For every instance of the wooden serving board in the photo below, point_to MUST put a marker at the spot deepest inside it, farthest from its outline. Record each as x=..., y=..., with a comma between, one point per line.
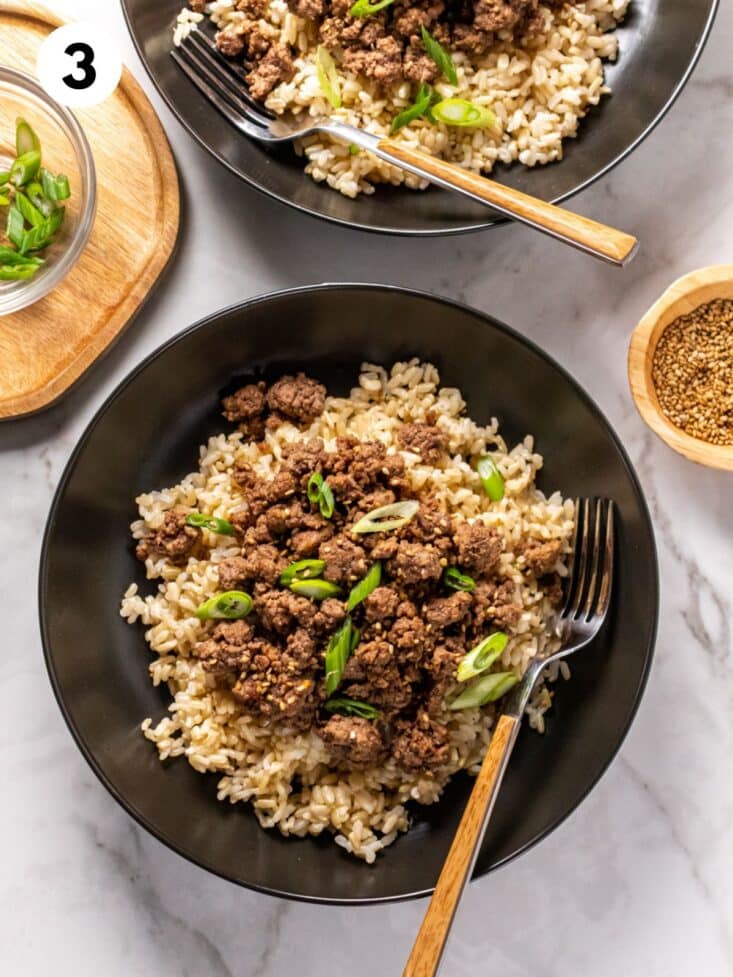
x=44, y=349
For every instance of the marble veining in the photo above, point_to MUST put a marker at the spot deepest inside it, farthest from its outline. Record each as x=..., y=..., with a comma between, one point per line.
x=638, y=881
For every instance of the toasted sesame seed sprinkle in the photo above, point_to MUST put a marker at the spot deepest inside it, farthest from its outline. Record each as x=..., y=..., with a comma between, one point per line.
x=692, y=372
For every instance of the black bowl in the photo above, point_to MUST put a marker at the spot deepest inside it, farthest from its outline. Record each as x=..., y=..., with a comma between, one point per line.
x=660, y=43
x=147, y=435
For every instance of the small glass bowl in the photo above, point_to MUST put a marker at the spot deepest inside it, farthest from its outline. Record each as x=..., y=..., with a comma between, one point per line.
x=65, y=150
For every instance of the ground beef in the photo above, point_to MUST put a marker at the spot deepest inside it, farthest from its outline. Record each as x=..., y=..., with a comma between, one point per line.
x=372, y=674
x=381, y=604
x=425, y=440
x=414, y=563
x=230, y=42
x=276, y=66
x=541, y=557
x=298, y=398
x=552, y=587
x=345, y=561
x=410, y=636
x=175, y=539
x=264, y=563
x=494, y=603
x=479, y=548
x=280, y=611
x=224, y=651
x=302, y=458
x=422, y=744
x=441, y=667
x=245, y=404
x=353, y=740
x=443, y=612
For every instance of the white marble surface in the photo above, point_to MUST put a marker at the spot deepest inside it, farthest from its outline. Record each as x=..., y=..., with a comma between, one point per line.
x=638, y=880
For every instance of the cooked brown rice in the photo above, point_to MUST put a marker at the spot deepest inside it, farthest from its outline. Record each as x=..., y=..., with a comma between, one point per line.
x=364, y=809
x=538, y=89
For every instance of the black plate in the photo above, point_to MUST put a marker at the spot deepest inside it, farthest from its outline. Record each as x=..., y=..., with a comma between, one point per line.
x=660, y=41
x=147, y=435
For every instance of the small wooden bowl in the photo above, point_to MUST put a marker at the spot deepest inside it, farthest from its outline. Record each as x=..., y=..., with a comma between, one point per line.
x=684, y=295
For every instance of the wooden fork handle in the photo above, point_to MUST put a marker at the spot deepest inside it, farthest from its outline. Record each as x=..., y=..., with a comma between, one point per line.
x=430, y=943
x=605, y=242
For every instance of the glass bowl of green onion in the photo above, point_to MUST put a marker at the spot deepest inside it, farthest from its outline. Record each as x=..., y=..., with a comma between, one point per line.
x=48, y=191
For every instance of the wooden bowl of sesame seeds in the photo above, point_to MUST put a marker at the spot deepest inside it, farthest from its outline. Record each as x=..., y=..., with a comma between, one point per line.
x=681, y=366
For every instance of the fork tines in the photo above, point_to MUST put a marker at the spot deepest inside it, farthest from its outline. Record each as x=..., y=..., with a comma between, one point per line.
x=219, y=81
x=591, y=573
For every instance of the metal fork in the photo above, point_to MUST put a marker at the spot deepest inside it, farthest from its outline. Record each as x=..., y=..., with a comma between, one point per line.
x=587, y=597
x=223, y=85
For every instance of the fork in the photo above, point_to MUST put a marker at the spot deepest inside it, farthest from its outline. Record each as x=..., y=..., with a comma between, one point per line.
x=586, y=599
x=222, y=84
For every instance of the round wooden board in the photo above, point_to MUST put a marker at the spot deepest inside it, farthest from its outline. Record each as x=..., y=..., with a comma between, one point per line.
x=45, y=348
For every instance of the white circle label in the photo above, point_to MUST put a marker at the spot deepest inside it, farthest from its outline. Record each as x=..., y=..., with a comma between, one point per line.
x=78, y=65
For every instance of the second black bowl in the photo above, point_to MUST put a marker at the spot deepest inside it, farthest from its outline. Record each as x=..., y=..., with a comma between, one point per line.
x=147, y=435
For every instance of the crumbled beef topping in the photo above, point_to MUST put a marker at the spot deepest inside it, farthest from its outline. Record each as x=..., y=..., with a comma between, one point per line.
x=541, y=558
x=425, y=440
x=175, y=539
x=385, y=47
x=412, y=629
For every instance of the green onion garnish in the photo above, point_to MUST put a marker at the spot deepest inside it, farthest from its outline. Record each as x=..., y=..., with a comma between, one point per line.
x=4, y=177
x=10, y=257
x=460, y=112
x=337, y=654
x=439, y=55
x=387, y=517
x=16, y=227
x=30, y=212
x=365, y=8
x=362, y=590
x=302, y=570
x=231, y=604
x=328, y=77
x=26, y=140
x=55, y=187
x=25, y=168
x=484, y=690
x=482, y=656
x=491, y=478
x=39, y=237
x=453, y=578
x=317, y=589
x=415, y=111
x=18, y=272
x=216, y=525
x=350, y=707
x=320, y=493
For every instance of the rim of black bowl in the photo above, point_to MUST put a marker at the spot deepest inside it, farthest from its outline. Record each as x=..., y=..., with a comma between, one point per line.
x=68, y=470
x=416, y=232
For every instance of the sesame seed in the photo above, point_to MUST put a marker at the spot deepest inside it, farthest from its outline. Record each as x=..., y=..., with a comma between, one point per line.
x=692, y=372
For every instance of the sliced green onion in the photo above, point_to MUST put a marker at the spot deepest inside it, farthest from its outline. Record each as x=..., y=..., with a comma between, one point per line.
x=460, y=112
x=30, y=213
x=315, y=484
x=320, y=493
x=4, y=177
x=328, y=77
x=491, y=478
x=326, y=501
x=439, y=55
x=41, y=236
x=355, y=638
x=415, y=111
x=4, y=201
x=353, y=149
x=26, y=140
x=350, y=707
x=63, y=189
x=216, y=525
x=484, y=690
x=453, y=578
x=37, y=197
x=362, y=590
x=232, y=604
x=25, y=168
x=55, y=187
x=302, y=570
x=387, y=517
x=337, y=654
x=365, y=8
x=482, y=656
x=10, y=257
x=317, y=589
x=16, y=227
x=17, y=272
